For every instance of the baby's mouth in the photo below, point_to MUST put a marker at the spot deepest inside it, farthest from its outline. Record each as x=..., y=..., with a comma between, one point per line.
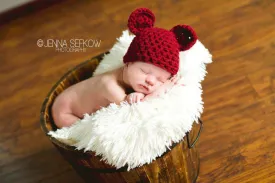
x=145, y=87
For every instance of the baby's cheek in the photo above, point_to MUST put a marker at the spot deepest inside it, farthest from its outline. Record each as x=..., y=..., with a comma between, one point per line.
x=135, y=86
x=154, y=89
x=131, y=82
x=158, y=85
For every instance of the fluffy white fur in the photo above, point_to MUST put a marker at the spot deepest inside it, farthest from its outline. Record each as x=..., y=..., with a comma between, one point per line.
x=136, y=134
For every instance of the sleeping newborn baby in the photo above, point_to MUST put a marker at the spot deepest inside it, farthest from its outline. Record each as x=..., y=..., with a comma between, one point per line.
x=99, y=91
x=150, y=68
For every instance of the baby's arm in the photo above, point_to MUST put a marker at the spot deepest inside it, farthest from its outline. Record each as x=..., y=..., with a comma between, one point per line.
x=116, y=94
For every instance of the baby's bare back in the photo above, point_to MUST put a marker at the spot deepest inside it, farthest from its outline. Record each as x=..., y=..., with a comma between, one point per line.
x=87, y=96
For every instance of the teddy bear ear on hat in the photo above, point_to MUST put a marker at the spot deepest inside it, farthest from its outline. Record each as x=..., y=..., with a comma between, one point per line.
x=140, y=19
x=185, y=36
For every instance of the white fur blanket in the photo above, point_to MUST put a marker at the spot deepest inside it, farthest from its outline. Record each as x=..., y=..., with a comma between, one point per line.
x=137, y=134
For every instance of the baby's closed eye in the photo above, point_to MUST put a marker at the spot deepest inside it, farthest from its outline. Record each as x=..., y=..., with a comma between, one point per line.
x=161, y=80
x=144, y=71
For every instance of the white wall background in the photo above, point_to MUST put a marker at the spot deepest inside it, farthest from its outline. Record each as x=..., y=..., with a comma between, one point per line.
x=9, y=4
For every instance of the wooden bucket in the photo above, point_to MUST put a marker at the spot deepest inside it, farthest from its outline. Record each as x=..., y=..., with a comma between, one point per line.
x=178, y=165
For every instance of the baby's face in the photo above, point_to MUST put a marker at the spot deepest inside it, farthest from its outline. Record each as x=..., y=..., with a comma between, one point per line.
x=145, y=78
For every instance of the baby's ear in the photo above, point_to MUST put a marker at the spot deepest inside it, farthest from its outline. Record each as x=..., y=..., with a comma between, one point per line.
x=185, y=36
x=140, y=19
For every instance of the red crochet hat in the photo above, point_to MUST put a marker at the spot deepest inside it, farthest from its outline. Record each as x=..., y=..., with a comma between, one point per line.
x=157, y=46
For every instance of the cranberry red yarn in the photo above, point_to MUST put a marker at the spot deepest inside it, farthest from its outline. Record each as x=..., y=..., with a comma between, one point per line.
x=140, y=19
x=155, y=45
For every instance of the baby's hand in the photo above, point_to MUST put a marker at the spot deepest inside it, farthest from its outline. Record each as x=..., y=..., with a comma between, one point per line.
x=134, y=97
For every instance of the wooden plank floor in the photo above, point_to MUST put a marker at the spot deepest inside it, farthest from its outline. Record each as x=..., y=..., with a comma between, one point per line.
x=238, y=142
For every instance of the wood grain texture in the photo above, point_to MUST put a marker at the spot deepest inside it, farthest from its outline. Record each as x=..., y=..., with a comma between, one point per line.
x=237, y=143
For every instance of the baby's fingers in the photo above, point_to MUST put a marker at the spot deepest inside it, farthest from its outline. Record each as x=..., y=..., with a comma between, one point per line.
x=131, y=98
x=152, y=95
x=136, y=97
x=139, y=98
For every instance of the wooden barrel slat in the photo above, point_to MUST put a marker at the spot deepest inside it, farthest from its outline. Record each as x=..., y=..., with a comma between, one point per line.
x=164, y=173
x=173, y=174
x=153, y=171
x=178, y=165
x=131, y=177
x=183, y=166
x=193, y=153
x=188, y=159
x=143, y=175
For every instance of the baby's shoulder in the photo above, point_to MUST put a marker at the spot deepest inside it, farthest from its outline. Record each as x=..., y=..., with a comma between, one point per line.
x=106, y=81
x=109, y=88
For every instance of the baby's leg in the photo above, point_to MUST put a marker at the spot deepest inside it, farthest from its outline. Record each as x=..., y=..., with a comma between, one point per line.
x=62, y=113
x=65, y=120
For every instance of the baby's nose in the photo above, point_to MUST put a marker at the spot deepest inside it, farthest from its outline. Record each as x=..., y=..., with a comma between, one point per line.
x=150, y=83
x=150, y=80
